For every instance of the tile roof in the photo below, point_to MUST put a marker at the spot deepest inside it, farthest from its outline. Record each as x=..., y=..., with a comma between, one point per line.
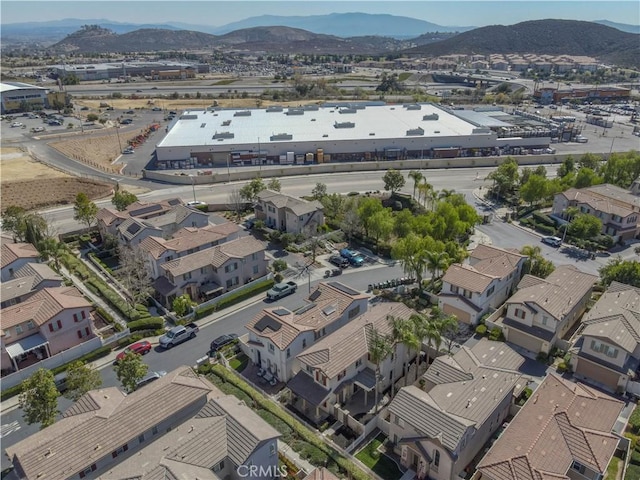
x=137, y=209
x=17, y=287
x=189, y=238
x=616, y=317
x=495, y=261
x=223, y=429
x=325, y=305
x=298, y=206
x=572, y=421
x=337, y=351
x=216, y=256
x=467, y=389
x=10, y=252
x=467, y=277
x=321, y=473
x=132, y=227
x=41, y=272
x=558, y=293
x=103, y=424
x=605, y=198
x=43, y=306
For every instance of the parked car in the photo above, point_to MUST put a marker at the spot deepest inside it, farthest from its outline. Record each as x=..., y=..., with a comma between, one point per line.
x=140, y=348
x=553, y=241
x=280, y=290
x=84, y=108
x=156, y=109
x=129, y=112
x=16, y=124
x=126, y=121
x=195, y=203
x=177, y=335
x=339, y=261
x=150, y=377
x=249, y=223
x=355, y=259
x=221, y=341
x=128, y=150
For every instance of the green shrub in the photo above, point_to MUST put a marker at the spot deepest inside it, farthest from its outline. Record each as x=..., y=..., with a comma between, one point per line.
x=235, y=298
x=634, y=420
x=278, y=424
x=496, y=334
x=562, y=367
x=151, y=323
x=11, y=392
x=105, y=315
x=633, y=472
x=541, y=218
x=542, y=357
x=481, y=330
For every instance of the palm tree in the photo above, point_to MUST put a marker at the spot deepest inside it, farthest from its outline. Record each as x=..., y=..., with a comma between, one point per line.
x=417, y=177
x=419, y=322
x=436, y=262
x=445, y=194
x=532, y=253
x=380, y=347
x=402, y=332
x=433, y=335
x=423, y=191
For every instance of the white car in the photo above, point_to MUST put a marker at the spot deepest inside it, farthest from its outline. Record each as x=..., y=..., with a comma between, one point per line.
x=553, y=241
x=195, y=203
x=16, y=124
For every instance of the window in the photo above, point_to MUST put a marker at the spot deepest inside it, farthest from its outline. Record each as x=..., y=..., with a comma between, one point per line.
x=255, y=269
x=203, y=270
x=231, y=268
x=358, y=362
x=466, y=293
x=7, y=333
x=577, y=467
x=232, y=281
x=55, y=326
x=76, y=317
x=30, y=325
x=219, y=466
x=272, y=349
x=354, y=312
x=545, y=319
x=84, y=333
x=453, y=288
x=19, y=329
x=309, y=369
x=254, y=256
x=120, y=451
x=604, y=349
x=169, y=258
x=288, y=353
x=154, y=430
x=519, y=313
x=88, y=470
x=141, y=438
x=304, y=343
x=342, y=374
x=491, y=290
x=272, y=450
x=186, y=276
x=436, y=460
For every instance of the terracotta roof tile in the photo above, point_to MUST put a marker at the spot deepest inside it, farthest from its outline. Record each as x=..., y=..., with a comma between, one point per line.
x=298, y=206
x=10, y=252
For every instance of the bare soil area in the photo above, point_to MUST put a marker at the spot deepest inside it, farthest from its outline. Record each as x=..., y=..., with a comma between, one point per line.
x=31, y=185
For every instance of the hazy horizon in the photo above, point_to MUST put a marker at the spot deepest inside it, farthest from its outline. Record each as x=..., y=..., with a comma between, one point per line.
x=218, y=13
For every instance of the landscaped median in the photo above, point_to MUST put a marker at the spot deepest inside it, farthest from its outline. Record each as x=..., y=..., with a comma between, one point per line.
x=308, y=445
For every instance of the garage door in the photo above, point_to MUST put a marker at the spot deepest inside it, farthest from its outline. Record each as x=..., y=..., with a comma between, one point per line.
x=461, y=314
x=523, y=340
x=597, y=373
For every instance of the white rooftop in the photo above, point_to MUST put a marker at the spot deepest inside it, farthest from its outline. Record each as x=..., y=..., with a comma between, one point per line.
x=315, y=123
x=9, y=86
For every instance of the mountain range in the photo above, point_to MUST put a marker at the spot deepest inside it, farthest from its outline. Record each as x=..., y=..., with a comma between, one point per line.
x=337, y=24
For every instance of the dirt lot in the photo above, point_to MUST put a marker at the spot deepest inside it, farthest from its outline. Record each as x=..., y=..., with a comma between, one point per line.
x=181, y=104
x=30, y=184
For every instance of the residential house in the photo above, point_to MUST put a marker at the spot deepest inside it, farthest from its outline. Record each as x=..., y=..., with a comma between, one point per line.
x=132, y=232
x=50, y=321
x=564, y=431
x=321, y=473
x=28, y=280
x=544, y=310
x=211, y=271
x=14, y=256
x=185, y=241
x=482, y=285
x=337, y=369
x=289, y=214
x=618, y=209
x=179, y=426
x=108, y=219
x=439, y=430
x=277, y=335
x=607, y=350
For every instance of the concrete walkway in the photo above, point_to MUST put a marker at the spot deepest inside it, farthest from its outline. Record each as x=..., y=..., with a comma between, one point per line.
x=293, y=456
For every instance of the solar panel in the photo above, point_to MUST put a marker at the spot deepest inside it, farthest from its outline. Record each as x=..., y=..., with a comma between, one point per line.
x=174, y=201
x=315, y=295
x=267, y=322
x=343, y=288
x=281, y=312
x=306, y=308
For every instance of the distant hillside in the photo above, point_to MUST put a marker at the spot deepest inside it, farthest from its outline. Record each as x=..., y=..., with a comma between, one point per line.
x=620, y=26
x=544, y=36
x=259, y=39
x=345, y=25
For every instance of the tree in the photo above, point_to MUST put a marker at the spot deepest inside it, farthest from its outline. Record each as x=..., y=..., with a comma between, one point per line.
x=367, y=207
x=122, y=199
x=39, y=398
x=134, y=275
x=534, y=190
x=393, y=180
x=334, y=206
x=92, y=117
x=13, y=221
x=182, y=304
x=130, y=370
x=251, y=190
x=402, y=332
x=505, y=178
x=36, y=229
x=585, y=226
x=351, y=224
x=279, y=265
x=536, y=264
x=381, y=225
x=567, y=167
x=274, y=184
x=449, y=327
x=436, y=263
x=586, y=178
x=236, y=202
x=84, y=210
x=51, y=249
x=417, y=178
x=319, y=191
x=81, y=378
x=411, y=251
x=380, y=347
x=623, y=271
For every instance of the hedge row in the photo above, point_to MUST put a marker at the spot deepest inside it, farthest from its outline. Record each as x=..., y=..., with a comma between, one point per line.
x=235, y=298
x=151, y=323
x=541, y=218
x=316, y=445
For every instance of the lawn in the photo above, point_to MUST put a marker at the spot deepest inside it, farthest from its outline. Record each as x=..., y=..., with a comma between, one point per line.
x=378, y=461
x=239, y=362
x=612, y=469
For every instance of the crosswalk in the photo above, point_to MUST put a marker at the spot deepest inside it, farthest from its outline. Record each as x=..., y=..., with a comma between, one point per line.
x=8, y=428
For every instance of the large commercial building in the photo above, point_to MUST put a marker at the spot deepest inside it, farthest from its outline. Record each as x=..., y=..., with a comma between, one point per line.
x=105, y=71
x=341, y=132
x=18, y=96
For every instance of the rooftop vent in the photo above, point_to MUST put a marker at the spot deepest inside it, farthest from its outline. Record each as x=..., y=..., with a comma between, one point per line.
x=275, y=108
x=344, y=125
x=281, y=136
x=295, y=111
x=432, y=116
x=226, y=123
x=223, y=135
x=413, y=106
x=242, y=113
x=413, y=132
x=347, y=110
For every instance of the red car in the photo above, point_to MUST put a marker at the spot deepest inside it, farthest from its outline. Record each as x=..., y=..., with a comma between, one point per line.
x=141, y=348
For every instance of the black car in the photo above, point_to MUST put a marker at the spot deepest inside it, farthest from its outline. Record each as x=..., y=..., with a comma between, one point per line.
x=339, y=261
x=221, y=341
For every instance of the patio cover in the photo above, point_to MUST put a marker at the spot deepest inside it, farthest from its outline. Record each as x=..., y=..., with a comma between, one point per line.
x=304, y=387
x=366, y=379
x=26, y=345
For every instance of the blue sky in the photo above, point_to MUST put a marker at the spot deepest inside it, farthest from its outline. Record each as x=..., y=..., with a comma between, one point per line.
x=216, y=13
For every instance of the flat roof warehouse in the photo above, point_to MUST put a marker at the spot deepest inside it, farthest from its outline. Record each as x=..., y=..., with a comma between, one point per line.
x=343, y=131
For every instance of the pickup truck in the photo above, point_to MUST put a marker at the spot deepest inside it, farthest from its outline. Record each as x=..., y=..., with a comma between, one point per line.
x=280, y=290
x=178, y=334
